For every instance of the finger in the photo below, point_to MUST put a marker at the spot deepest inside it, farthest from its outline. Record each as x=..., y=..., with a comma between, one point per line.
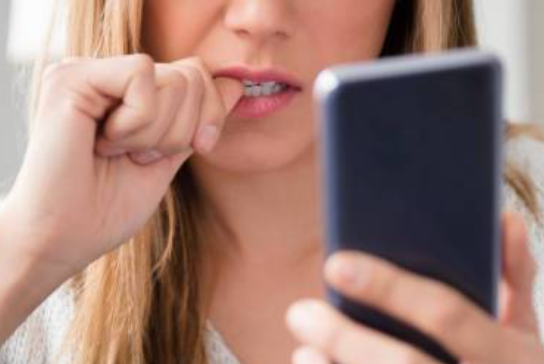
x=320, y=326
x=143, y=141
x=180, y=134
x=430, y=306
x=132, y=80
x=219, y=97
x=142, y=144
x=230, y=92
x=519, y=274
x=92, y=88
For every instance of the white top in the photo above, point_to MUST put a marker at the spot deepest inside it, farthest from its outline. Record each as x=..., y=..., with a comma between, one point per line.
x=40, y=336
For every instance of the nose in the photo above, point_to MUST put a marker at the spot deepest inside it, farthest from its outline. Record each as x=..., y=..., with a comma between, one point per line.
x=260, y=20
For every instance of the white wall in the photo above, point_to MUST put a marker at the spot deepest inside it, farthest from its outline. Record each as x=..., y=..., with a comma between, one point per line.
x=513, y=28
x=536, y=61
x=12, y=134
x=26, y=41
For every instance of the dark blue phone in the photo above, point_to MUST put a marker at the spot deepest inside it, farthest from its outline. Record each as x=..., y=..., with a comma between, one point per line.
x=411, y=166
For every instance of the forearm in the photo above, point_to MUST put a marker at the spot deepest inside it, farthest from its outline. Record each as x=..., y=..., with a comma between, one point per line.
x=24, y=281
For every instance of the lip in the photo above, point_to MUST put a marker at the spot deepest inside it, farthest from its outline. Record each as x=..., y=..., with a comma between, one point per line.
x=260, y=107
x=263, y=75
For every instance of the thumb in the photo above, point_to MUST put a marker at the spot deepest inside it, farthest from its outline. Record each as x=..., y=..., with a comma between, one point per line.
x=519, y=274
x=230, y=91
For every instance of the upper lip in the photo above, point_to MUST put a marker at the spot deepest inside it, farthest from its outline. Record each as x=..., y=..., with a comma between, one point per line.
x=258, y=76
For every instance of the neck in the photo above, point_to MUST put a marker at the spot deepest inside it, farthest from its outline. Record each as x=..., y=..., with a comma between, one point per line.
x=270, y=216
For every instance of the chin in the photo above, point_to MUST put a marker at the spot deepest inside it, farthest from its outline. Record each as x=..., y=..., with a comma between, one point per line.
x=257, y=152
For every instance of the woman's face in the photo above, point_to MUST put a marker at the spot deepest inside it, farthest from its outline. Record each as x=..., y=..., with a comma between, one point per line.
x=300, y=37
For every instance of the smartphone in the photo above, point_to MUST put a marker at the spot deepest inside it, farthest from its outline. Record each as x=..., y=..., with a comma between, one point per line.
x=411, y=170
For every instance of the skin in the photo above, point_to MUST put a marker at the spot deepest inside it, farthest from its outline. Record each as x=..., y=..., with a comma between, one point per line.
x=260, y=271
x=264, y=167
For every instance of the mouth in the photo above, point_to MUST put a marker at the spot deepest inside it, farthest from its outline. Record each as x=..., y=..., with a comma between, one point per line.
x=265, y=91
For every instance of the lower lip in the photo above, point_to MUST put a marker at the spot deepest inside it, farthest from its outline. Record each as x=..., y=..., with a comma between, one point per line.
x=258, y=107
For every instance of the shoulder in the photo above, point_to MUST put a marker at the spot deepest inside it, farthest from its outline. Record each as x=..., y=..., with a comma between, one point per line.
x=39, y=338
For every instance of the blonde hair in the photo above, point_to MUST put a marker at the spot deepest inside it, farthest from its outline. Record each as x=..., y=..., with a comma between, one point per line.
x=141, y=303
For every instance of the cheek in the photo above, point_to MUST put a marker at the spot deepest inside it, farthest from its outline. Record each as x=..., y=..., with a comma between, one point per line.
x=351, y=30
x=173, y=29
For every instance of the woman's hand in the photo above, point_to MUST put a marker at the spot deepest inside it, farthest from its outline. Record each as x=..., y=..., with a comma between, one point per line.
x=109, y=137
x=434, y=308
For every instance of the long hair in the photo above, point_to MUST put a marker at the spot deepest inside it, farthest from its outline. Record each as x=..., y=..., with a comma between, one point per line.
x=141, y=303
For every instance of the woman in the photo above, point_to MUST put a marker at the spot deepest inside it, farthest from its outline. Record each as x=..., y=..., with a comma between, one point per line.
x=187, y=214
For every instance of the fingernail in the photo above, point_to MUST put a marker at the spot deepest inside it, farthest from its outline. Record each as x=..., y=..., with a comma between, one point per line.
x=147, y=157
x=302, y=317
x=207, y=137
x=307, y=355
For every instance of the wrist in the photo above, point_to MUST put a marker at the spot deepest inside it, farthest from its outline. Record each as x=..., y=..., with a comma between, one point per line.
x=26, y=281
x=23, y=249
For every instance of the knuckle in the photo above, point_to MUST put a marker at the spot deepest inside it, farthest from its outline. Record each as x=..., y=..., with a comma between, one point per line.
x=194, y=78
x=197, y=62
x=56, y=73
x=444, y=313
x=143, y=116
x=178, y=83
x=142, y=63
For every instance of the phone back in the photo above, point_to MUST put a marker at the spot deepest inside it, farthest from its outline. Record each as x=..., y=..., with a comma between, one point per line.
x=411, y=151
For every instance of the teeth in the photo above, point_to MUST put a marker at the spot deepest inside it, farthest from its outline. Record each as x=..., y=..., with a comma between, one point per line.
x=268, y=88
x=253, y=89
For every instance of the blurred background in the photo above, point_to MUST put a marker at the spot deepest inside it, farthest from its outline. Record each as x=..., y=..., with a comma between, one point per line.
x=509, y=27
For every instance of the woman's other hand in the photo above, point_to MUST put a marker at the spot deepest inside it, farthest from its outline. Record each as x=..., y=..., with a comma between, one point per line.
x=441, y=312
